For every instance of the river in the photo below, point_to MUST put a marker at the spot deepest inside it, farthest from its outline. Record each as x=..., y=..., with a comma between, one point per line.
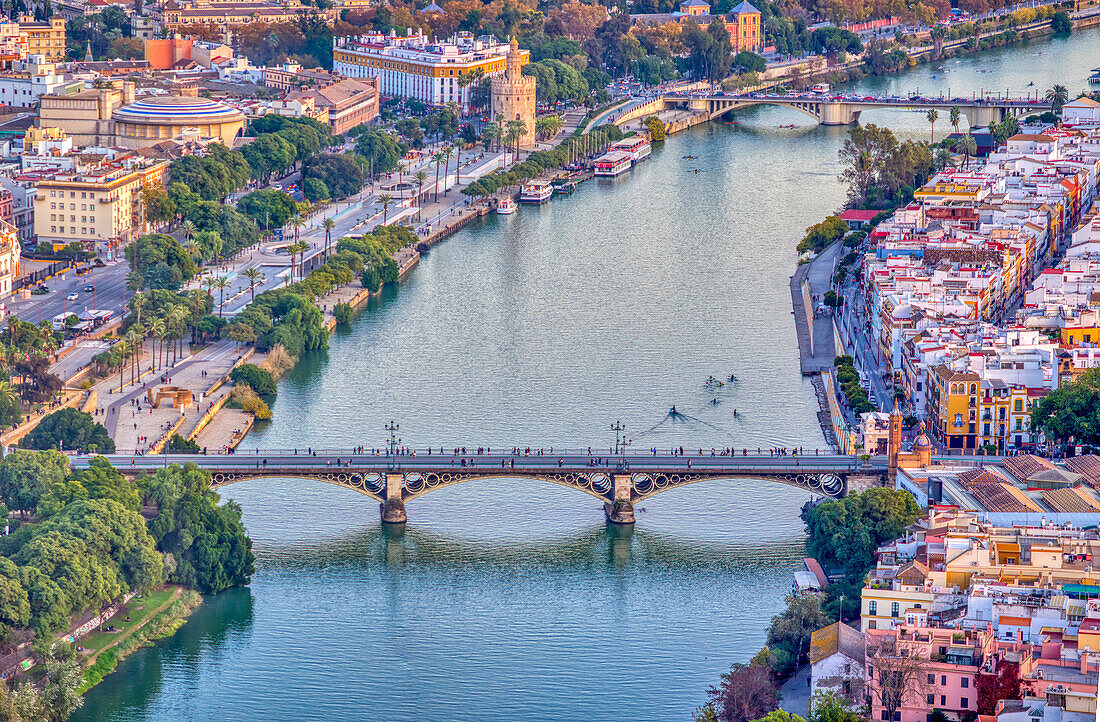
x=511, y=600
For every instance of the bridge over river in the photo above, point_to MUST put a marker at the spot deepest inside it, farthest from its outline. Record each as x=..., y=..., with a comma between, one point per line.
x=619, y=480
x=845, y=110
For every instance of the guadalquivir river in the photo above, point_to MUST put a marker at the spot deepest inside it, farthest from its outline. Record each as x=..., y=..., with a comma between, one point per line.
x=511, y=600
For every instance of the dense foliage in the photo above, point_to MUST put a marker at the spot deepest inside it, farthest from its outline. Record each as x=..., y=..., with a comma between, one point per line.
x=159, y=261
x=207, y=542
x=820, y=235
x=70, y=430
x=844, y=533
x=1072, y=411
x=342, y=174
x=261, y=380
x=878, y=169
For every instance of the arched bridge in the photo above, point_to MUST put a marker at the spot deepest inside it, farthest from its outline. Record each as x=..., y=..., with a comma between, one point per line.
x=844, y=110
x=620, y=481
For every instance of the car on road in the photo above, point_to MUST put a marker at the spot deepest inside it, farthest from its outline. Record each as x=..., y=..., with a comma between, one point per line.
x=89, y=288
x=72, y=297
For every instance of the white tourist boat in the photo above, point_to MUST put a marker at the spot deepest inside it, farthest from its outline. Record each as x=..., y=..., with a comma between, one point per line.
x=506, y=207
x=637, y=146
x=613, y=163
x=536, y=191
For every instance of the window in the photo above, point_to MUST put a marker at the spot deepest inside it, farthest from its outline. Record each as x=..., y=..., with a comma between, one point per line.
x=931, y=680
x=894, y=609
x=1018, y=405
x=965, y=683
x=964, y=702
x=931, y=700
x=943, y=677
x=872, y=608
x=943, y=700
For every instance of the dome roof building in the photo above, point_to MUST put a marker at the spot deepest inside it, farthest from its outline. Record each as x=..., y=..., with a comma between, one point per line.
x=151, y=120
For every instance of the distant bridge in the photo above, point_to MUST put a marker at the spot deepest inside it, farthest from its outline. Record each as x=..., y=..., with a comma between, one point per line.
x=620, y=481
x=846, y=110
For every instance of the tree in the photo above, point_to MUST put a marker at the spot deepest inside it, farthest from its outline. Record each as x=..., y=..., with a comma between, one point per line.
x=939, y=32
x=437, y=160
x=955, y=116
x=548, y=126
x=895, y=673
x=745, y=693
x=315, y=190
x=830, y=707
x=1060, y=23
x=1057, y=96
x=1002, y=682
x=255, y=275
x=103, y=481
x=60, y=692
x=420, y=176
x=328, y=224
x=932, y=116
x=26, y=475
x=207, y=540
x=790, y=630
x=221, y=283
x=268, y=207
x=380, y=149
x=261, y=380
x=1072, y=411
x=516, y=129
x=386, y=200
x=11, y=410
x=71, y=430
x=749, y=62
x=341, y=174
x=845, y=532
x=969, y=147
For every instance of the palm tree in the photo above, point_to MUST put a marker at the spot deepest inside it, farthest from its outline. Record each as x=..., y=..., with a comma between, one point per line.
x=516, y=130
x=969, y=147
x=1058, y=96
x=328, y=224
x=221, y=283
x=155, y=331
x=187, y=229
x=8, y=397
x=437, y=159
x=955, y=116
x=420, y=177
x=121, y=347
x=448, y=153
x=932, y=116
x=548, y=126
x=943, y=158
x=385, y=200
x=300, y=247
x=491, y=133
x=178, y=316
x=253, y=275
x=296, y=222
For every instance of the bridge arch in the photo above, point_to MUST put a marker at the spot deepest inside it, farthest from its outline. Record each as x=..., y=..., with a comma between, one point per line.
x=599, y=484
x=809, y=109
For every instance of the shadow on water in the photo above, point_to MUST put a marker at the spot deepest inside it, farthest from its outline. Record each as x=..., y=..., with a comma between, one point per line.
x=138, y=679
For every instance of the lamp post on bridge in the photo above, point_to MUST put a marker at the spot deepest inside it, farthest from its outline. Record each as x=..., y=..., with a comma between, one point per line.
x=393, y=443
x=621, y=442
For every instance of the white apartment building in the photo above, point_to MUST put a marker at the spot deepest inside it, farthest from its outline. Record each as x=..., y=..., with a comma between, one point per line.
x=415, y=66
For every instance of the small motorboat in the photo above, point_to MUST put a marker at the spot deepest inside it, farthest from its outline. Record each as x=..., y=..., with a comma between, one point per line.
x=506, y=207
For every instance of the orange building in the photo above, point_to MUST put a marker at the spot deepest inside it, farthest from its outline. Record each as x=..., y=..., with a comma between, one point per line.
x=164, y=53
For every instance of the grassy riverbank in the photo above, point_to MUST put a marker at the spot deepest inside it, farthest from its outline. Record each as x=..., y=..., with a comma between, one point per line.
x=154, y=617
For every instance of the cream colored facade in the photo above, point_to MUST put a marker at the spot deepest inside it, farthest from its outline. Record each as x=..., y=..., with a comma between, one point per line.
x=9, y=257
x=111, y=116
x=413, y=66
x=101, y=206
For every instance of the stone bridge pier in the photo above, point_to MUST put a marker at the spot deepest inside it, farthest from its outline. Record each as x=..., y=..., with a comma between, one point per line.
x=621, y=509
x=838, y=114
x=393, y=508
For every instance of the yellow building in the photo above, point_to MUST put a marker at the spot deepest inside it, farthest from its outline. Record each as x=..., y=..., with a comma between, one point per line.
x=44, y=38
x=413, y=66
x=885, y=605
x=98, y=206
x=953, y=406
x=746, y=32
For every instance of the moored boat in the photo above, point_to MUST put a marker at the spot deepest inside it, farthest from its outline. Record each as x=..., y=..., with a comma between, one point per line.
x=506, y=207
x=536, y=191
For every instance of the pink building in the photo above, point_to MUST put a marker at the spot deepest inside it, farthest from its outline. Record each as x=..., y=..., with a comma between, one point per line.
x=940, y=668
